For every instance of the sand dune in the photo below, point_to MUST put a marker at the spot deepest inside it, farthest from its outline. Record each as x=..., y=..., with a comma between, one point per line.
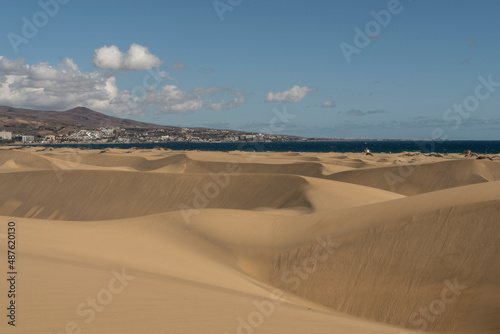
x=138, y=163
x=416, y=179
x=184, y=242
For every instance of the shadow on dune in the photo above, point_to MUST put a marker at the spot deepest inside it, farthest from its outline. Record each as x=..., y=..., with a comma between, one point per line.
x=182, y=163
x=102, y=195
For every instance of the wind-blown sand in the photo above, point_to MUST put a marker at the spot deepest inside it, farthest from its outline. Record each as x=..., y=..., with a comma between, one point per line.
x=158, y=241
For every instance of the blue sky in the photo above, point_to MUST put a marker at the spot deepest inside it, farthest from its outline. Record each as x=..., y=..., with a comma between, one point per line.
x=423, y=73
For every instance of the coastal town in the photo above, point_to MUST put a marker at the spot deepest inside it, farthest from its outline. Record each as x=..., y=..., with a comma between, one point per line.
x=121, y=135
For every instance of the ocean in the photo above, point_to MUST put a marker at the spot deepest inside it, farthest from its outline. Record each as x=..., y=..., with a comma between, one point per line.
x=376, y=146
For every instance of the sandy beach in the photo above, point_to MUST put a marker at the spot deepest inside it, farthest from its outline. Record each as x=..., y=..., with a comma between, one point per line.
x=160, y=241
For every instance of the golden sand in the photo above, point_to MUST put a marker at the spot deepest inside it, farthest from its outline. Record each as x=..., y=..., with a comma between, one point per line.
x=158, y=241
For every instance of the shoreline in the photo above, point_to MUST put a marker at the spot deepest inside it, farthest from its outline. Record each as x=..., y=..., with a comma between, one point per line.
x=380, y=147
x=375, y=158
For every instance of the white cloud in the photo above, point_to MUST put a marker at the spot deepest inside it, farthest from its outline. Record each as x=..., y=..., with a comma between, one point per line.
x=183, y=107
x=11, y=66
x=328, y=104
x=294, y=94
x=138, y=57
x=179, y=66
x=175, y=100
x=223, y=105
x=167, y=99
x=62, y=87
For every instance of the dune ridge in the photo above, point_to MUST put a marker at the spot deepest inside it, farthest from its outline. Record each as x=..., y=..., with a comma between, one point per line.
x=416, y=179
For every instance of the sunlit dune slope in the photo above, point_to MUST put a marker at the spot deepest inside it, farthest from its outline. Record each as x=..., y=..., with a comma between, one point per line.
x=16, y=158
x=177, y=280
x=394, y=258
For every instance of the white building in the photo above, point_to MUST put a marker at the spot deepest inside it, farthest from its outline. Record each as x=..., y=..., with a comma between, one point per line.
x=28, y=139
x=5, y=135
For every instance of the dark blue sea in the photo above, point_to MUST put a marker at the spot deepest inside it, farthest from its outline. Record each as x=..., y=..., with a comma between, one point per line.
x=376, y=146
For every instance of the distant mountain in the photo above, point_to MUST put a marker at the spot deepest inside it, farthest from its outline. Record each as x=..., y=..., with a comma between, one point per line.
x=41, y=122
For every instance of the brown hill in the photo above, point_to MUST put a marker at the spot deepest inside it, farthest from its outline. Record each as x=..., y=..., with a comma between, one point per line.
x=43, y=122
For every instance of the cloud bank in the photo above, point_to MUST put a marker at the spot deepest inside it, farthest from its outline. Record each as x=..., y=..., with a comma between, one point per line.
x=61, y=87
